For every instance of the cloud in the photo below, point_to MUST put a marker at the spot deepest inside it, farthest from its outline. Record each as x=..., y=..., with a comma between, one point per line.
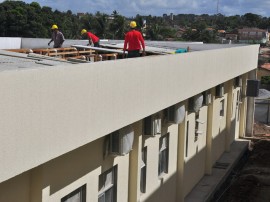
x=158, y=7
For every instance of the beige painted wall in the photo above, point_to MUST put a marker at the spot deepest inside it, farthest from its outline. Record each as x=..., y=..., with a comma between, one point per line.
x=16, y=189
x=161, y=188
x=55, y=179
x=195, y=159
x=41, y=108
x=59, y=177
x=219, y=128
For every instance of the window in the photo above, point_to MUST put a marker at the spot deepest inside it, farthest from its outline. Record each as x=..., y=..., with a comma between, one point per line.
x=220, y=90
x=115, y=146
x=108, y=186
x=79, y=195
x=196, y=127
x=163, y=154
x=152, y=125
x=221, y=113
x=143, y=170
x=237, y=104
x=206, y=97
x=187, y=134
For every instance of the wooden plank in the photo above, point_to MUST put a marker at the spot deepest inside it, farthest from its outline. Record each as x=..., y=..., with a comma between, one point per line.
x=64, y=53
x=99, y=49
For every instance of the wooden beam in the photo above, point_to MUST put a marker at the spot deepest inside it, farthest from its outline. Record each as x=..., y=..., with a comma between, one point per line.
x=99, y=49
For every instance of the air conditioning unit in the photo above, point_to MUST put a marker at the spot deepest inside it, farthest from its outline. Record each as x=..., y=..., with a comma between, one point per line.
x=121, y=141
x=152, y=125
x=253, y=87
x=195, y=103
x=207, y=97
x=238, y=81
x=220, y=90
x=176, y=113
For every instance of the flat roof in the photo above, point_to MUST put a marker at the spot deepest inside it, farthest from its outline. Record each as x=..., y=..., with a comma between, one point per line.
x=14, y=60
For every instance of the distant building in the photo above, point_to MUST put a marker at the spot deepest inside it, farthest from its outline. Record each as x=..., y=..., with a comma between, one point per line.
x=110, y=17
x=210, y=29
x=171, y=16
x=253, y=35
x=80, y=15
x=231, y=36
x=221, y=31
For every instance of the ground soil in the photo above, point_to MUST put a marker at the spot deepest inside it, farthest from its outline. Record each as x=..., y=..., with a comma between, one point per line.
x=250, y=180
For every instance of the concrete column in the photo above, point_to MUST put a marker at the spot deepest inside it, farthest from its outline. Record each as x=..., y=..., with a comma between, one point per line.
x=229, y=87
x=208, y=164
x=181, y=159
x=134, y=164
x=250, y=107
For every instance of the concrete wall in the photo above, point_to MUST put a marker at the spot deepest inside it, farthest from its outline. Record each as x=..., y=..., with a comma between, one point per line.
x=61, y=176
x=16, y=189
x=160, y=188
x=58, y=177
x=43, y=43
x=195, y=151
x=10, y=43
x=42, y=107
x=32, y=43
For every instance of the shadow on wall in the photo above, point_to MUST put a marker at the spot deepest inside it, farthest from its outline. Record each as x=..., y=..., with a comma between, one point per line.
x=72, y=166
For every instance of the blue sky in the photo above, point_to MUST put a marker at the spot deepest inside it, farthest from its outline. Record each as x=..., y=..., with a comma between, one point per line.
x=130, y=8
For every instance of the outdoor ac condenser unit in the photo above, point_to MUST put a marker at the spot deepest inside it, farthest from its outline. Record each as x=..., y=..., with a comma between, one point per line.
x=195, y=103
x=220, y=90
x=152, y=125
x=176, y=113
x=121, y=141
x=253, y=87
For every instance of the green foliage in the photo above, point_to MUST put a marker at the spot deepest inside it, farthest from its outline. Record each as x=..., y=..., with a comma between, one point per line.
x=19, y=19
x=265, y=80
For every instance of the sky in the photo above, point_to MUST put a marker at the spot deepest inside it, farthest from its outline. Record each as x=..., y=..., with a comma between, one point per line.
x=129, y=8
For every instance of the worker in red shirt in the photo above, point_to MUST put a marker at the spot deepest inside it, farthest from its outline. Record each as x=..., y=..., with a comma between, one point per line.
x=133, y=42
x=93, y=39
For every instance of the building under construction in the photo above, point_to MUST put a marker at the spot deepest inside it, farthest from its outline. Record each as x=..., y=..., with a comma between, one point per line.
x=82, y=124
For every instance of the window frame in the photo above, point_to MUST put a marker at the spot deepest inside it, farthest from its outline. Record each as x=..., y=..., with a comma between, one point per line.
x=81, y=190
x=107, y=189
x=163, y=162
x=143, y=170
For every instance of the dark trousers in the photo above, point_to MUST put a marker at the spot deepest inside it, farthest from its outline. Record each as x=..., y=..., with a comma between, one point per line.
x=96, y=44
x=133, y=54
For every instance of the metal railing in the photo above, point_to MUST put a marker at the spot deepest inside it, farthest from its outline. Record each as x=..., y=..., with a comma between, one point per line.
x=262, y=110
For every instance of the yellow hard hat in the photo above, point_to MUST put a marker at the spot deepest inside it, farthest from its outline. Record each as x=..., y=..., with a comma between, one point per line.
x=54, y=27
x=133, y=24
x=83, y=31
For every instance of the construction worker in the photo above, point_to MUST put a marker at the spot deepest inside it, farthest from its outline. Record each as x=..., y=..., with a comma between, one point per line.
x=57, y=37
x=133, y=42
x=93, y=39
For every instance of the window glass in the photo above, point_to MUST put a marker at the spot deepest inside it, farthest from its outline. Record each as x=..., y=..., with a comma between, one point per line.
x=143, y=170
x=79, y=195
x=107, y=185
x=163, y=154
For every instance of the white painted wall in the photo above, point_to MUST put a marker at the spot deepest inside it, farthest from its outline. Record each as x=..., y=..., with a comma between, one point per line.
x=10, y=43
x=32, y=43
x=43, y=43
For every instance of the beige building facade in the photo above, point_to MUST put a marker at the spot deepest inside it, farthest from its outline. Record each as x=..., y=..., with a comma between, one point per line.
x=143, y=129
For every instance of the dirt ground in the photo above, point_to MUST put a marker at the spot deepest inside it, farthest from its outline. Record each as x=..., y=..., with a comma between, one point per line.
x=250, y=182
